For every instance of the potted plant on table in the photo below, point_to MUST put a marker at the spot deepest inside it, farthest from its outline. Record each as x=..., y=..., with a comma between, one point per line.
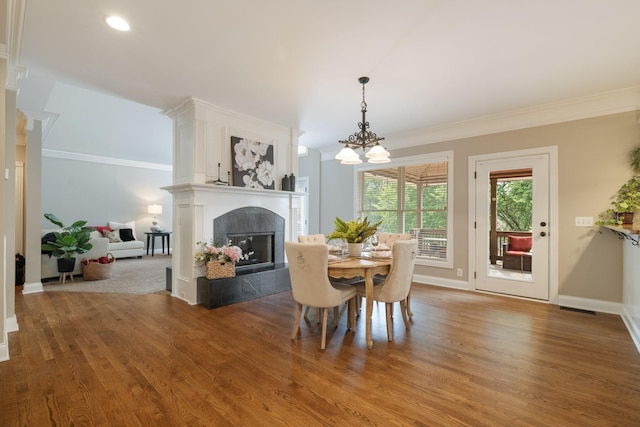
x=67, y=242
x=355, y=232
x=626, y=203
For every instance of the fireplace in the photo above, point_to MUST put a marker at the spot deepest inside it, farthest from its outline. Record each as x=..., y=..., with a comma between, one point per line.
x=256, y=230
x=260, y=233
x=257, y=249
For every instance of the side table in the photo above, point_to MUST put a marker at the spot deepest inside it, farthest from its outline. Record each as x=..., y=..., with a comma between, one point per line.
x=151, y=237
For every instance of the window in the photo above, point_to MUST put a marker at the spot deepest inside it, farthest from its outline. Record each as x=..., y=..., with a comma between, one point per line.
x=412, y=196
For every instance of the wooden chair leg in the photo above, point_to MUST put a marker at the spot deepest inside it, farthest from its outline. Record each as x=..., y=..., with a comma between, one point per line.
x=351, y=321
x=403, y=309
x=388, y=310
x=325, y=313
x=306, y=312
x=409, y=312
x=296, y=323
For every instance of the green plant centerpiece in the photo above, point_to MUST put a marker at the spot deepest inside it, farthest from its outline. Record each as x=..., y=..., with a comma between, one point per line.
x=354, y=231
x=67, y=242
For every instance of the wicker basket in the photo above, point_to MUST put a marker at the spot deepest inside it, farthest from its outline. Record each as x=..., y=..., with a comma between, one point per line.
x=220, y=269
x=93, y=270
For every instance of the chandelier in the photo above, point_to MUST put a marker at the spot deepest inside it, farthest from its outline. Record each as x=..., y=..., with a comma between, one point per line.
x=363, y=139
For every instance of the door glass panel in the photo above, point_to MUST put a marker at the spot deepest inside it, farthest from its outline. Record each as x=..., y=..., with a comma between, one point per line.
x=510, y=219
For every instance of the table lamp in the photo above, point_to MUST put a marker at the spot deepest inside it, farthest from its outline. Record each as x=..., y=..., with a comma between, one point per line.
x=155, y=210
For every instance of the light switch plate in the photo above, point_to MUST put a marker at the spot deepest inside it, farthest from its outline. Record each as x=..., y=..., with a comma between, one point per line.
x=584, y=221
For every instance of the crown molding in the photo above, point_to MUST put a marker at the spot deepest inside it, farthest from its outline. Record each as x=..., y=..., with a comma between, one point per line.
x=197, y=104
x=595, y=105
x=14, y=28
x=82, y=157
x=48, y=121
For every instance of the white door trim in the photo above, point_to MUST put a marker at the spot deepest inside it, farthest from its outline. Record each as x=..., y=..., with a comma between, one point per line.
x=552, y=152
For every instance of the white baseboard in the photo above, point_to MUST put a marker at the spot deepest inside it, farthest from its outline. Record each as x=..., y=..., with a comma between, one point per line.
x=439, y=281
x=4, y=350
x=32, y=288
x=11, y=324
x=590, y=304
x=632, y=327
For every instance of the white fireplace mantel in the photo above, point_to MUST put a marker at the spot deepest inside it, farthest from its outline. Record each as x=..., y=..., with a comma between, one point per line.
x=196, y=205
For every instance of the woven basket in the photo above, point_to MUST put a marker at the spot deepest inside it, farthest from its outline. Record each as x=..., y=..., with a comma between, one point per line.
x=93, y=270
x=220, y=269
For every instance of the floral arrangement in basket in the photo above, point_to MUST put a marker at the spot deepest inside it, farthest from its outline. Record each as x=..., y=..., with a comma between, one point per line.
x=220, y=261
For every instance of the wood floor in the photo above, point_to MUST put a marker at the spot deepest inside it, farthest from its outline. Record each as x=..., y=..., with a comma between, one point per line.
x=472, y=359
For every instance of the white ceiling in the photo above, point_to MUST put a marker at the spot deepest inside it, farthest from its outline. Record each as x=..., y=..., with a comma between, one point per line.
x=296, y=62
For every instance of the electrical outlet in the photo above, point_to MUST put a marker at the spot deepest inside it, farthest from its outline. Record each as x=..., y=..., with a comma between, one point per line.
x=459, y=272
x=584, y=221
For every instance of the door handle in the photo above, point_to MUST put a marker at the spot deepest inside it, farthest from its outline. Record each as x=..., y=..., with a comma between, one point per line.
x=542, y=233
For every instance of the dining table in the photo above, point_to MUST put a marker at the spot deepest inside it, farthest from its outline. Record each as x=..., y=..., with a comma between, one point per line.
x=366, y=267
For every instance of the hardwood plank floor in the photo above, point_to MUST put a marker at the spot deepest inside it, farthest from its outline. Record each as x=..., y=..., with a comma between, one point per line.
x=469, y=359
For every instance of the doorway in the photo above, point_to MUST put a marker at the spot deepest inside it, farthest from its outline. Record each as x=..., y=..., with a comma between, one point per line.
x=512, y=239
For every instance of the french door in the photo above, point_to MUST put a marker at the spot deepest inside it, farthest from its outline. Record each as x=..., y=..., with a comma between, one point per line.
x=525, y=275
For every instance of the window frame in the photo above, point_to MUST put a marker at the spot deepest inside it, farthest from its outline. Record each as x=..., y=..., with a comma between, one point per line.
x=442, y=156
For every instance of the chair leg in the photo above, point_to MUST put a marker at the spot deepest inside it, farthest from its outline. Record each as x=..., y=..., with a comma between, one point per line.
x=409, y=312
x=388, y=310
x=351, y=321
x=403, y=309
x=296, y=323
x=325, y=314
x=306, y=311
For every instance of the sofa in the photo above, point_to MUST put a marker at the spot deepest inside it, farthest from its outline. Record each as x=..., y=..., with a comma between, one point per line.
x=49, y=264
x=123, y=242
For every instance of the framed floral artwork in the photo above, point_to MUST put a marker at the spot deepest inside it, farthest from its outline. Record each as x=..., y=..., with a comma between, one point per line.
x=252, y=163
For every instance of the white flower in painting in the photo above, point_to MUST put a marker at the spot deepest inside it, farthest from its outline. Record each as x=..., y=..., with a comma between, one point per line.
x=246, y=156
x=262, y=149
x=250, y=183
x=265, y=173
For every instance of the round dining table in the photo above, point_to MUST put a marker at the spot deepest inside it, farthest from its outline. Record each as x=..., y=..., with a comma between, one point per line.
x=353, y=267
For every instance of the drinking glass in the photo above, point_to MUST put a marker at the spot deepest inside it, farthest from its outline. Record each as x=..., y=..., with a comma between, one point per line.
x=375, y=241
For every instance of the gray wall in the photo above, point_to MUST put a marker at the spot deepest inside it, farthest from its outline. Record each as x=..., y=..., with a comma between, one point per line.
x=309, y=166
x=337, y=194
x=592, y=164
x=105, y=159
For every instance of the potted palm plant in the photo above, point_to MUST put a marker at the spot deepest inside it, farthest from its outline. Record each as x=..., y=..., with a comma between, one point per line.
x=67, y=242
x=355, y=232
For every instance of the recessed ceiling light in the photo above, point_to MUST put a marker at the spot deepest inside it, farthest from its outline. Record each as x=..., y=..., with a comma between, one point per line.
x=117, y=23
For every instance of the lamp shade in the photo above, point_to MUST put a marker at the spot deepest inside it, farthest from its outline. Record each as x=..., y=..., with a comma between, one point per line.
x=155, y=209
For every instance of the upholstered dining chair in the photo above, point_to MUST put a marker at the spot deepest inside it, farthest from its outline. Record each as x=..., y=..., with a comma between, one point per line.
x=311, y=238
x=308, y=265
x=397, y=284
x=389, y=239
